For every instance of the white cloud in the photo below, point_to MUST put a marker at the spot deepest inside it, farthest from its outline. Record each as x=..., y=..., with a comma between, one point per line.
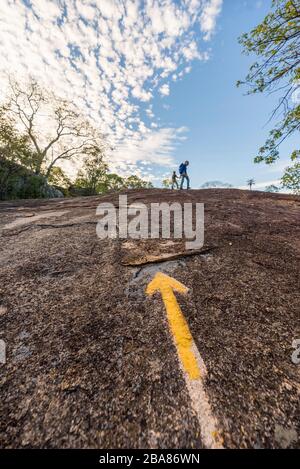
x=164, y=90
x=155, y=146
x=109, y=57
x=208, y=18
x=141, y=94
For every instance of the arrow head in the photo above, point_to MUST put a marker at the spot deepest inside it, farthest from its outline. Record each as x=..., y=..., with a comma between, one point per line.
x=162, y=282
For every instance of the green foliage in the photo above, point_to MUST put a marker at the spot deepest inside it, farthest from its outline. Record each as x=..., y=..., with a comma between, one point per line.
x=29, y=158
x=276, y=41
x=14, y=146
x=114, y=182
x=58, y=178
x=91, y=179
x=16, y=157
x=291, y=178
x=166, y=183
x=16, y=182
x=134, y=182
x=94, y=178
x=67, y=135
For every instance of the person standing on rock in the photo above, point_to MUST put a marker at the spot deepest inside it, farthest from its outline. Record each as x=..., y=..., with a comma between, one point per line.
x=174, y=180
x=183, y=174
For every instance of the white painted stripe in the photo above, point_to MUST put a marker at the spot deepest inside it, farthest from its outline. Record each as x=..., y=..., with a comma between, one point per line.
x=210, y=435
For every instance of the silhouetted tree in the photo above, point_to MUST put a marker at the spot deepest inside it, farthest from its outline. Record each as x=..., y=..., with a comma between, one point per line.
x=250, y=183
x=62, y=135
x=272, y=188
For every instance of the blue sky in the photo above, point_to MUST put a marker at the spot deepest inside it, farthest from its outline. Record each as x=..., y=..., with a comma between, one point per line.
x=156, y=77
x=226, y=128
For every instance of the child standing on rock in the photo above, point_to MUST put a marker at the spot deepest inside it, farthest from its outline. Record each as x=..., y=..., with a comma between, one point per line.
x=174, y=180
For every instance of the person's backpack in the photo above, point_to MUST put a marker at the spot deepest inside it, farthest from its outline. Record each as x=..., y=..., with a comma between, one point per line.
x=182, y=168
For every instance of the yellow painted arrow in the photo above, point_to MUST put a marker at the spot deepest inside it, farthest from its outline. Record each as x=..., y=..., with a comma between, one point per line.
x=179, y=328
